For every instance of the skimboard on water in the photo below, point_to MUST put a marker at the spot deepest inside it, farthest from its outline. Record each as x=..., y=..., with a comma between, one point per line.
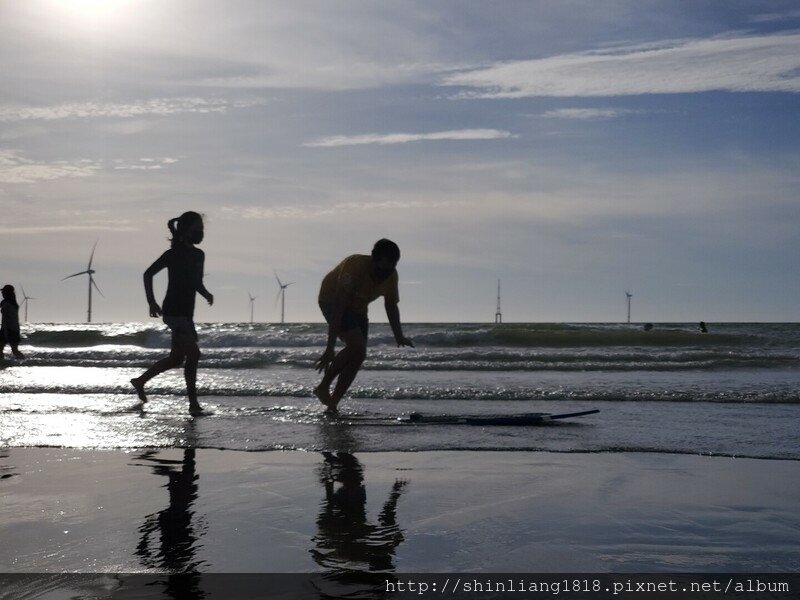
x=521, y=419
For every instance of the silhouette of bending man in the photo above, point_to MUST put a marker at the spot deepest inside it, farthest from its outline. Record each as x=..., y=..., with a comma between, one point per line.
x=344, y=296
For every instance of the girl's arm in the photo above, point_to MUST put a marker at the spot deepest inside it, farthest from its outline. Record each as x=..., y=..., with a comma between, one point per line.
x=201, y=288
x=159, y=264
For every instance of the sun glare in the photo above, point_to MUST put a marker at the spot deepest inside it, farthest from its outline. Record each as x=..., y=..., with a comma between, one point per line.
x=91, y=11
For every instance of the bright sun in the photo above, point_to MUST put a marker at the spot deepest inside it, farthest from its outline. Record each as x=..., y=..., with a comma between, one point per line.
x=91, y=10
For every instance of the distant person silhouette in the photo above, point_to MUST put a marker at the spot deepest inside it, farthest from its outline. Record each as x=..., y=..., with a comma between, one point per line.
x=648, y=327
x=9, y=326
x=343, y=298
x=184, y=264
x=703, y=328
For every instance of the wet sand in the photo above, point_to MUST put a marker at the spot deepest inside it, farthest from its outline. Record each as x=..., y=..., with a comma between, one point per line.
x=175, y=510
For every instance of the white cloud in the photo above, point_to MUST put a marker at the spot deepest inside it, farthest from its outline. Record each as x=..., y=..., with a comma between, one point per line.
x=152, y=107
x=403, y=138
x=587, y=113
x=37, y=229
x=342, y=74
x=778, y=16
x=768, y=63
x=17, y=169
x=145, y=164
x=320, y=210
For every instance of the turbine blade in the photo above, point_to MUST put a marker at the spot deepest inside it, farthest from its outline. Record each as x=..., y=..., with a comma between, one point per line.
x=91, y=256
x=278, y=297
x=278, y=278
x=95, y=286
x=288, y=284
x=75, y=275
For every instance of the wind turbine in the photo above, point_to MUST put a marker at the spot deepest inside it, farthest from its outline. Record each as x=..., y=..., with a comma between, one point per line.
x=252, y=301
x=25, y=302
x=628, y=295
x=90, y=272
x=282, y=294
x=498, y=316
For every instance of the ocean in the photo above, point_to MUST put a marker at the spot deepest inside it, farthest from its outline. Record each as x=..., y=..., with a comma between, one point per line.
x=730, y=392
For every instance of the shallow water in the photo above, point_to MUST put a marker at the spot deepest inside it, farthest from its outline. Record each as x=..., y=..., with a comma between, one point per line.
x=732, y=392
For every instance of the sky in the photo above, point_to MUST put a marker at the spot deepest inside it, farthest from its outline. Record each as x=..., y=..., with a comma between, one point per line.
x=573, y=149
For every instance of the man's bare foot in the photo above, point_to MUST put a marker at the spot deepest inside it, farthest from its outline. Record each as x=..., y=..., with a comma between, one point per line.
x=17, y=354
x=333, y=406
x=139, y=387
x=195, y=409
x=324, y=396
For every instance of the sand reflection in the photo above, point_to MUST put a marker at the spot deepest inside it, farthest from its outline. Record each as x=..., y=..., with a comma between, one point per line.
x=350, y=548
x=169, y=538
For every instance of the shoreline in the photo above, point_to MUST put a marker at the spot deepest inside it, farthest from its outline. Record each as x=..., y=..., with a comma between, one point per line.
x=412, y=451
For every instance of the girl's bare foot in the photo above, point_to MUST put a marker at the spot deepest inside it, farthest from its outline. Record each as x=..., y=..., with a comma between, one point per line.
x=139, y=387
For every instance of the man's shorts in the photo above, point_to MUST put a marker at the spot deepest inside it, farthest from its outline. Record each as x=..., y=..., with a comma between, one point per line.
x=350, y=320
x=181, y=326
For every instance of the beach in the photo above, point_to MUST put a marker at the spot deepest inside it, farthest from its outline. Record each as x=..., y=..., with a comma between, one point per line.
x=178, y=510
x=319, y=299
x=690, y=466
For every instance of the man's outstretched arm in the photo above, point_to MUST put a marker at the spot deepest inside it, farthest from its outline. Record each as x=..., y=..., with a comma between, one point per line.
x=393, y=313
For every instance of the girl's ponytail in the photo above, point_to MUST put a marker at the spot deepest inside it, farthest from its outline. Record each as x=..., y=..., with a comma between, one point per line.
x=172, y=225
x=179, y=225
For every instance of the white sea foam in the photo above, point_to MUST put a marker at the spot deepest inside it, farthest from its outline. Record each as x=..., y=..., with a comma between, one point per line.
x=673, y=389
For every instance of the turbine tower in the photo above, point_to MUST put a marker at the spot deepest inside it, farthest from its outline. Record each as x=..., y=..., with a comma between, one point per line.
x=282, y=294
x=628, y=295
x=25, y=302
x=90, y=272
x=252, y=301
x=498, y=316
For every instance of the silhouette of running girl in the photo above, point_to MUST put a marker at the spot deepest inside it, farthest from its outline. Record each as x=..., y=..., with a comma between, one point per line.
x=184, y=264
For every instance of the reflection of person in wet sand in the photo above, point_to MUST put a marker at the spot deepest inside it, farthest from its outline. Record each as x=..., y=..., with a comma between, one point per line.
x=346, y=542
x=175, y=550
x=343, y=298
x=184, y=264
x=177, y=539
